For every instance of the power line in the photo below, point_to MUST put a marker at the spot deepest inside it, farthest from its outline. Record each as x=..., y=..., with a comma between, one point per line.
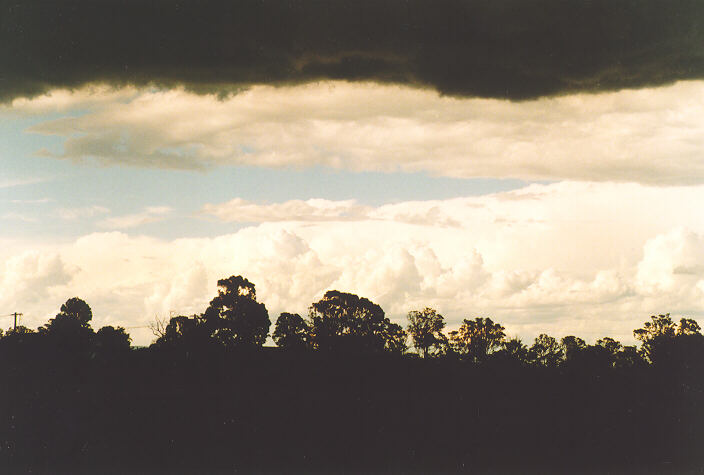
x=19, y=314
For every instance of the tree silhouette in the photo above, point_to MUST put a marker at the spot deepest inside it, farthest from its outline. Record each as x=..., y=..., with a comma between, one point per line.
x=158, y=326
x=628, y=358
x=660, y=326
x=74, y=313
x=580, y=357
x=477, y=338
x=664, y=342
x=291, y=332
x=275, y=411
x=182, y=331
x=17, y=333
x=573, y=346
x=546, y=351
x=425, y=328
x=513, y=350
x=234, y=317
x=19, y=330
x=70, y=329
x=110, y=341
x=77, y=309
x=611, y=347
x=348, y=323
x=394, y=337
x=687, y=326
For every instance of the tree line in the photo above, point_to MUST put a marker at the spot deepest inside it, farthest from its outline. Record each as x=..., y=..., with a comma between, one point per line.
x=345, y=323
x=346, y=390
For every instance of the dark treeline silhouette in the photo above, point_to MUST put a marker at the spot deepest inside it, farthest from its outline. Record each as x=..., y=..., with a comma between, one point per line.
x=342, y=391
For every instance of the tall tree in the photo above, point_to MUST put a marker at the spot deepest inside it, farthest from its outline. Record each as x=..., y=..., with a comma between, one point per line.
x=660, y=336
x=546, y=351
x=477, y=338
x=425, y=328
x=74, y=311
x=573, y=346
x=394, y=337
x=346, y=322
x=628, y=357
x=181, y=331
x=72, y=321
x=234, y=317
x=70, y=332
x=659, y=326
x=513, y=350
x=110, y=341
x=291, y=332
x=611, y=347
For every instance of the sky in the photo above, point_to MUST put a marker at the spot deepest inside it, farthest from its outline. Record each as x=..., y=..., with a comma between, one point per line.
x=539, y=163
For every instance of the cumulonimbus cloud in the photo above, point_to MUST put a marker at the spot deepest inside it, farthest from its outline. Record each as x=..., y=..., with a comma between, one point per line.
x=591, y=259
x=509, y=49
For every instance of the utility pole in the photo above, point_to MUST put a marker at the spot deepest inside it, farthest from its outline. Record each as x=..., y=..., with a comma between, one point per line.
x=16, y=315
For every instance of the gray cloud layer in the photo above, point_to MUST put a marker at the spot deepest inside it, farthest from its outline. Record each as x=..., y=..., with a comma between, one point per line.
x=508, y=48
x=651, y=136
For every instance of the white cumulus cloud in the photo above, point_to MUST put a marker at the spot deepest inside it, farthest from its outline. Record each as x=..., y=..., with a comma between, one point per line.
x=590, y=259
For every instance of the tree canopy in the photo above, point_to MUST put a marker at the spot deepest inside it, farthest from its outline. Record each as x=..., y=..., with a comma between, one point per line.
x=70, y=329
x=663, y=340
x=346, y=322
x=78, y=309
x=74, y=313
x=513, y=350
x=110, y=341
x=183, y=331
x=477, y=338
x=425, y=329
x=546, y=351
x=234, y=317
x=291, y=332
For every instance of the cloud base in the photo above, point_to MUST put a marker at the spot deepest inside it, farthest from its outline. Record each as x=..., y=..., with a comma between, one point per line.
x=510, y=49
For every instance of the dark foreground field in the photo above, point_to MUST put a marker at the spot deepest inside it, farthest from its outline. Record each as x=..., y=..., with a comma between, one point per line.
x=214, y=410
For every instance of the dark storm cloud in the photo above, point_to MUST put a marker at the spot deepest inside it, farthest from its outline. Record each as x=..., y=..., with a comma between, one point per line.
x=516, y=49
